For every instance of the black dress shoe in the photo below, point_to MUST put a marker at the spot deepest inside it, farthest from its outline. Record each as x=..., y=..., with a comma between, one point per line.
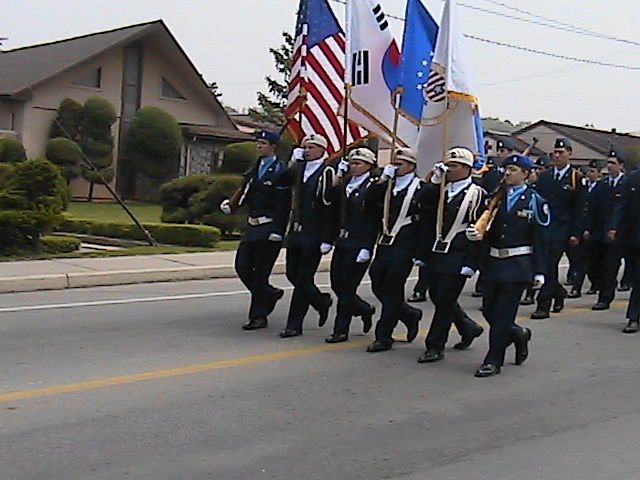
x=527, y=300
x=276, y=295
x=592, y=291
x=574, y=294
x=632, y=327
x=522, y=346
x=600, y=306
x=337, y=338
x=417, y=297
x=540, y=314
x=367, y=320
x=324, y=310
x=290, y=332
x=487, y=371
x=378, y=346
x=466, y=340
x=476, y=294
x=430, y=356
x=256, y=324
x=413, y=325
x=568, y=283
x=558, y=302
x=624, y=288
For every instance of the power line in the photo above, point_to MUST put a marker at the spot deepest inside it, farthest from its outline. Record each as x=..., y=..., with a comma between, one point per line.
x=525, y=49
x=575, y=28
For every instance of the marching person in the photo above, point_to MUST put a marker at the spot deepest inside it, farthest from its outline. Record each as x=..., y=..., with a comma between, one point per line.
x=454, y=258
x=398, y=247
x=310, y=231
x=517, y=255
x=606, y=252
x=564, y=188
x=626, y=224
x=266, y=224
x=356, y=234
x=593, y=223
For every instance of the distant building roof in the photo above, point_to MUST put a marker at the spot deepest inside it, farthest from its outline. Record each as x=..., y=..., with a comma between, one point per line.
x=226, y=134
x=595, y=139
x=520, y=145
x=28, y=66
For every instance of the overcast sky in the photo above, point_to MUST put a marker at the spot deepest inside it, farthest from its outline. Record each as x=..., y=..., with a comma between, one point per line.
x=228, y=40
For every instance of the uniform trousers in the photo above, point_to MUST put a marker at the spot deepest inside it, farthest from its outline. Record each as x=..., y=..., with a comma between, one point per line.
x=500, y=303
x=587, y=267
x=346, y=276
x=302, y=264
x=422, y=285
x=389, y=273
x=552, y=287
x=254, y=263
x=606, y=265
x=633, y=311
x=444, y=292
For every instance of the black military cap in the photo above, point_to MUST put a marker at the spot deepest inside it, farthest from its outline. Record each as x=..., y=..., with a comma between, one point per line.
x=563, y=143
x=595, y=164
x=614, y=154
x=543, y=161
x=506, y=144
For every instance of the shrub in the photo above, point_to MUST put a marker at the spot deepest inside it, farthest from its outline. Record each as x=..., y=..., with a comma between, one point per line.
x=153, y=142
x=31, y=202
x=176, y=194
x=68, y=120
x=66, y=155
x=12, y=150
x=206, y=204
x=186, y=235
x=59, y=244
x=239, y=157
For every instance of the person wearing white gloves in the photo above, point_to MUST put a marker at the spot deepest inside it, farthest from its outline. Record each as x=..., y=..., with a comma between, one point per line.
x=356, y=230
x=454, y=258
x=518, y=242
x=310, y=235
x=398, y=247
x=268, y=211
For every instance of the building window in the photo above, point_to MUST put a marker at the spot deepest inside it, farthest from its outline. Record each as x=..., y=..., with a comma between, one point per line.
x=93, y=79
x=169, y=91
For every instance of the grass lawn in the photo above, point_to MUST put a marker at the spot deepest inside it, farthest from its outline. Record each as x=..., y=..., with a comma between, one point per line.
x=113, y=212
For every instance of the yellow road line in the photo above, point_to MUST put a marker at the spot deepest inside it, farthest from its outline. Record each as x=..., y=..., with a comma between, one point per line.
x=173, y=372
x=213, y=366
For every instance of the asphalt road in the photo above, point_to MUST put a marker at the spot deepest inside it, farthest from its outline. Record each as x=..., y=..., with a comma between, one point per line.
x=159, y=382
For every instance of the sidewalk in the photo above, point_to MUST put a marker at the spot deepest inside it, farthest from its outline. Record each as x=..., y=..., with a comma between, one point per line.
x=29, y=276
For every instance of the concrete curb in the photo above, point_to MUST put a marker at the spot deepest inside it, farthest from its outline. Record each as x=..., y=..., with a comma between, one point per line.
x=62, y=281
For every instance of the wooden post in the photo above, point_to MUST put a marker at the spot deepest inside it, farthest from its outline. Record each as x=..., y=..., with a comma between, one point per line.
x=443, y=181
x=394, y=141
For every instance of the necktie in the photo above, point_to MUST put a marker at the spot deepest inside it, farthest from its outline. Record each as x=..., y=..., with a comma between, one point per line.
x=557, y=176
x=262, y=169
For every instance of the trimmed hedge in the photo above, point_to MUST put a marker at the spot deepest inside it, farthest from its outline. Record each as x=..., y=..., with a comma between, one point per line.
x=59, y=244
x=172, y=234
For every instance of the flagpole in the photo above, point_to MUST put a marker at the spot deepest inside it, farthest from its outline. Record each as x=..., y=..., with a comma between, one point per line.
x=445, y=149
x=345, y=119
x=386, y=214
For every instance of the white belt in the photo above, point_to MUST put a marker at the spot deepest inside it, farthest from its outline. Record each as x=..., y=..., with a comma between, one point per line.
x=510, y=252
x=257, y=221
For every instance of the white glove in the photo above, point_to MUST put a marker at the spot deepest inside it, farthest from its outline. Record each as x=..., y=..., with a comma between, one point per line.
x=343, y=167
x=297, y=155
x=472, y=234
x=389, y=171
x=225, y=206
x=364, y=256
x=325, y=248
x=418, y=263
x=275, y=237
x=439, y=169
x=538, y=281
x=467, y=271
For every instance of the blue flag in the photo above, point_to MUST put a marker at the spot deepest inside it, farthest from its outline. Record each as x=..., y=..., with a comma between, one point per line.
x=418, y=46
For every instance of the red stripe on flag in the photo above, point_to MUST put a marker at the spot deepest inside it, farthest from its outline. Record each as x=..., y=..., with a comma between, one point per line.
x=324, y=77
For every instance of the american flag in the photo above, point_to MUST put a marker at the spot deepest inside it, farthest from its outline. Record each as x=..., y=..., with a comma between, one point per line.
x=435, y=88
x=316, y=87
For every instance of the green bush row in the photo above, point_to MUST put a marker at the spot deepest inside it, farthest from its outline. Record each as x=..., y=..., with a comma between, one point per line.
x=185, y=235
x=59, y=244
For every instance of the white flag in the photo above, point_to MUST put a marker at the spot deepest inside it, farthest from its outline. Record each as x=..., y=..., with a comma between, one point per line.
x=373, y=73
x=450, y=116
